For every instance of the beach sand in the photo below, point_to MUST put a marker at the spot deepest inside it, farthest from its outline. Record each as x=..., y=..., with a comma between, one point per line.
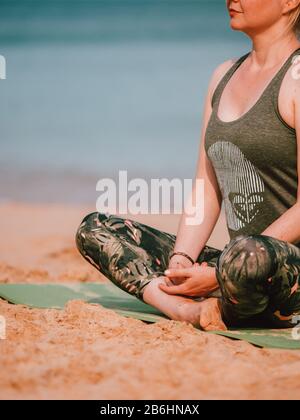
x=88, y=352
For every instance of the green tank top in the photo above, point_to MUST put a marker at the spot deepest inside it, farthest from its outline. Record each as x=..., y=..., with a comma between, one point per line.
x=254, y=158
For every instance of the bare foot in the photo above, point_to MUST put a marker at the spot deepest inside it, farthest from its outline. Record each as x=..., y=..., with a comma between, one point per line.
x=210, y=317
x=205, y=315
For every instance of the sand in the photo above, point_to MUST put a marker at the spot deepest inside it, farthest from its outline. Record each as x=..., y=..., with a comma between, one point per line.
x=89, y=352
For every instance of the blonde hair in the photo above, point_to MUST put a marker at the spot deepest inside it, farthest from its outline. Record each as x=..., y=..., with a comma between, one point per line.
x=294, y=22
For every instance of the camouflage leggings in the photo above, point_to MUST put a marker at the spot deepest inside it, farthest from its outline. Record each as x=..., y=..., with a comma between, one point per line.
x=258, y=275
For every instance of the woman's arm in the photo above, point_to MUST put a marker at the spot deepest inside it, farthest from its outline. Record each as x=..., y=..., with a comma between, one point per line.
x=192, y=238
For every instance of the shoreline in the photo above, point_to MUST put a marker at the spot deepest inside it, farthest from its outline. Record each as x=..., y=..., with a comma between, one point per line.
x=39, y=243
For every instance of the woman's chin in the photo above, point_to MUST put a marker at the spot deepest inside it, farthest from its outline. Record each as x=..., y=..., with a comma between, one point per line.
x=236, y=26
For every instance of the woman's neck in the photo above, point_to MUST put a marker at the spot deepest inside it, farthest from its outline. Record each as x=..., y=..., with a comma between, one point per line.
x=267, y=52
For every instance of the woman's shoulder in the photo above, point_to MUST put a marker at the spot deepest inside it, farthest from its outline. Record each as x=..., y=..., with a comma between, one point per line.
x=288, y=93
x=291, y=79
x=222, y=68
x=219, y=72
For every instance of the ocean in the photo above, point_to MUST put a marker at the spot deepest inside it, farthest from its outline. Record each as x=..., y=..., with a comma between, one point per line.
x=95, y=87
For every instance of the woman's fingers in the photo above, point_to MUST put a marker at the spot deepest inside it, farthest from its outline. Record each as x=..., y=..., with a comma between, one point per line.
x=178, y=272
x=173, y=290
x=183, y=272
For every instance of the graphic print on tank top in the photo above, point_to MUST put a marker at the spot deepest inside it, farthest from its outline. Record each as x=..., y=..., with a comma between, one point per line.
x=241, y=185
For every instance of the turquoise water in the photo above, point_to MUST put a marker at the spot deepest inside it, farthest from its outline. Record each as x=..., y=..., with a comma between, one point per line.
x=94, y=87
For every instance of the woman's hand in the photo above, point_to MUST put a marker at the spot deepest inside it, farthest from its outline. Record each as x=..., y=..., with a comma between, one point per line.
x=198, y=280
x=178, y=261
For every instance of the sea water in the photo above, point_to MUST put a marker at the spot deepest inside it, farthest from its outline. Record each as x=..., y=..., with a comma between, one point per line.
x=95, y=87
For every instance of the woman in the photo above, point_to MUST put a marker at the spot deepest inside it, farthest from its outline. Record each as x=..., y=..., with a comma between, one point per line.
x=248, y=160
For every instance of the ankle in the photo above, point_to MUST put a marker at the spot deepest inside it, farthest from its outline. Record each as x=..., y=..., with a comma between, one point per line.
x=189, y=312
x=152, y=289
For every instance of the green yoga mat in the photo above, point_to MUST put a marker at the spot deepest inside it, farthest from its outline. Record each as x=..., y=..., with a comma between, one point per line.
x=111, y=297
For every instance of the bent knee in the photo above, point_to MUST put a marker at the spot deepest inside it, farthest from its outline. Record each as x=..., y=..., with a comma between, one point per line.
x=89, y=223
x=247, y=257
